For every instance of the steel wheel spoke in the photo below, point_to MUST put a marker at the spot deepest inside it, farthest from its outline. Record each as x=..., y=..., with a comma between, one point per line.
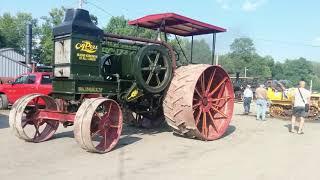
x=204, y=124
x=202, y=83
x=224, y=103
x=150, y=61
x=109, y=110
x=114, y=126
x=198, y=116
x=146, y=69
x=210, y=81
x=97, y=115
x=220, y=112
x=218, y=86
x=24, y=122
x=213, y=124
x=158, y=80
x=37, y=132
x=227, y=98
x=196, y=105
x=199, y=94
x=157, y=59
x=163, y=68
x=95, y=133
x=149, y=77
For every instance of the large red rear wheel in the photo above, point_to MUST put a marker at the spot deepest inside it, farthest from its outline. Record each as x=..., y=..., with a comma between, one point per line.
x=98, y=125
x=25, y=122
x=199, y=102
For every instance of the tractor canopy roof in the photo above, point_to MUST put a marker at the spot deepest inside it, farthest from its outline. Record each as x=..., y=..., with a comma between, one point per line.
x=176, y=24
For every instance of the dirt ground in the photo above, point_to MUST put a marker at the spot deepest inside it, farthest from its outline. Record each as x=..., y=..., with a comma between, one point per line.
x=249, y=150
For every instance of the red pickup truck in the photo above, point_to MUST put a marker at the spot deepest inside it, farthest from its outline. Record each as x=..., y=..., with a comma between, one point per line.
x=38, y=82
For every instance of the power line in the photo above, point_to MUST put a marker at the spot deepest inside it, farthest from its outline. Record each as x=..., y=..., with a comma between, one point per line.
x=98, y=7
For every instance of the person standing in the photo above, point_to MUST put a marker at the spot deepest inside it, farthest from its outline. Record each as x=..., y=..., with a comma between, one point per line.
x=261, y=96
x=300, y=106
x=247, y=98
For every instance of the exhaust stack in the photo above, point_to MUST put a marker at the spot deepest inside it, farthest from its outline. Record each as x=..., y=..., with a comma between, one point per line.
x=29, y=45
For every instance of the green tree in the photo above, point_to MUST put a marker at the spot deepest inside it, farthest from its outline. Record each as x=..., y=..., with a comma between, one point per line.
x=13, y=30
x=297, y=69
x=201, y=52
x=46, y=44
x=119, y=25
x=243, y=55
x=2, y=40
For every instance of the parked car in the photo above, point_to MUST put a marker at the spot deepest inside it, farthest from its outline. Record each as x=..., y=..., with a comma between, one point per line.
x=37, y=82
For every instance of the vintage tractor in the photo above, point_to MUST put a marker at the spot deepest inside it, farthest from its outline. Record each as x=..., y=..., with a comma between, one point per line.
x=95, y=91
x=281, y=101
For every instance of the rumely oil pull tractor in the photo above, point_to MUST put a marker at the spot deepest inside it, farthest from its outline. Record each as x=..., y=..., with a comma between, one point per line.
x=95, y=91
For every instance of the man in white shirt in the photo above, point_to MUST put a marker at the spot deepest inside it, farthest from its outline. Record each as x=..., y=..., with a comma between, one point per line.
x=247, y=98
x=301, y=98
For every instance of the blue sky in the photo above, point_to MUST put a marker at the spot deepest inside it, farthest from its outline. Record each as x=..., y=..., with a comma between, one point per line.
x=282, y=29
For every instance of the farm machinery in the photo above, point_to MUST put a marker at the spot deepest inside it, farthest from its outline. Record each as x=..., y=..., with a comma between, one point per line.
x=97, y=92
x=281, y=101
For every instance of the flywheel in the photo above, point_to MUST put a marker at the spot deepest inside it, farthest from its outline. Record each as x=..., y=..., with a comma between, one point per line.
x=199, y=102
x=153, y=68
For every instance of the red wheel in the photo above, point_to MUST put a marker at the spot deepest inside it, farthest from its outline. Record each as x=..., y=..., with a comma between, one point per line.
x=98, y=125
x=200, y=101
x=25, y=122
x=213, y=103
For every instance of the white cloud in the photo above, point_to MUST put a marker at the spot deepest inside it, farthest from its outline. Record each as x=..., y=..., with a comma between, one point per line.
x=316, y=41
x=224, y=4
x=252, y=5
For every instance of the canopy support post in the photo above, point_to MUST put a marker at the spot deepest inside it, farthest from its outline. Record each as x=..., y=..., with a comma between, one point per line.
x=213, y=47
x=191, y=49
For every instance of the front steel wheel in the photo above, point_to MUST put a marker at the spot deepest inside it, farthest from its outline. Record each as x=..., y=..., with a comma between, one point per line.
x=98, y=125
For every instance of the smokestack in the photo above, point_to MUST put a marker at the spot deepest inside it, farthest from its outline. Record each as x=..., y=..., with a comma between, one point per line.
x=28, y=45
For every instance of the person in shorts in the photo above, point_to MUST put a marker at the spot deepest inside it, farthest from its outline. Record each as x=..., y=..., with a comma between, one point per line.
x=301, y=98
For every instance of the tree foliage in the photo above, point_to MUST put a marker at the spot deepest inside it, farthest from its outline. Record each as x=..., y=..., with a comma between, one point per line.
x=243, y=55
x=46, y=44
x=13, y=28
x=242, y=51
x=119, y=25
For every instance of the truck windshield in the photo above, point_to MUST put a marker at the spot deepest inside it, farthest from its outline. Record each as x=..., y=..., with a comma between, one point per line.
x=21, y=80
x=46, y=79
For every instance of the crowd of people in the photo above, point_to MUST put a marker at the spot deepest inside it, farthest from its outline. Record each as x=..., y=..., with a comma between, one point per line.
x=300, y=102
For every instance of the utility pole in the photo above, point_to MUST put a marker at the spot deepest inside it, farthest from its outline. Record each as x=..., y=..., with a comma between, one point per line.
x=80, y=4
x=245, y=71
x=311, y=86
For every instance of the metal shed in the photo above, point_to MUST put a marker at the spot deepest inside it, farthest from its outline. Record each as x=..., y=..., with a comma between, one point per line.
x=11, y=64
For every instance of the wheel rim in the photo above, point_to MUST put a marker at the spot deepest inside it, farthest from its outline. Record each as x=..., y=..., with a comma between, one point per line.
x=213, y=100
x=101, y=125
x=25, y=122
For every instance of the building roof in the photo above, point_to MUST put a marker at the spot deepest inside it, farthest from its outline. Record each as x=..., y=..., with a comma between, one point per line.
x=12, y=54
x=176, y=24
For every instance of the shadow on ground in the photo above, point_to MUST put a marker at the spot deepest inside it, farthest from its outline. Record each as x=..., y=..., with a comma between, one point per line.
x=4, y=121
x=231, y=129
x=128, y=134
